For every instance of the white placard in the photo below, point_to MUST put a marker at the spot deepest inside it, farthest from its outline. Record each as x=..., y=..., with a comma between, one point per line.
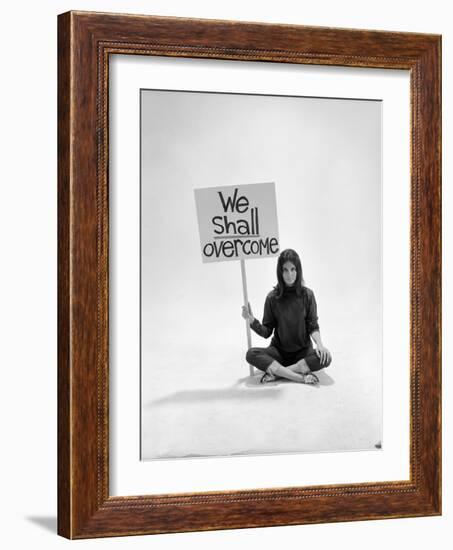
x=237, y=222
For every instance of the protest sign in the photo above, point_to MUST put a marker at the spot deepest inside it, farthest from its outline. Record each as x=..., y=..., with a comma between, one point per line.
x=237, y=222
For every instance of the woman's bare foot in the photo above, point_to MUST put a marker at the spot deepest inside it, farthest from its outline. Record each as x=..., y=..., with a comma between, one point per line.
x=310, y=378
x=303, y=369
x=266, y=378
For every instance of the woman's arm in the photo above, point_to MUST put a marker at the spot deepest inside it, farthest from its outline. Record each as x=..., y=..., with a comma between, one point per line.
x=322, y=352
x=313, y=328
x=262, y=330
x=265, y=328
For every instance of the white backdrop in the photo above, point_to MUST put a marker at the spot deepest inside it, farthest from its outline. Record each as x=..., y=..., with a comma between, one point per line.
x=28, y=289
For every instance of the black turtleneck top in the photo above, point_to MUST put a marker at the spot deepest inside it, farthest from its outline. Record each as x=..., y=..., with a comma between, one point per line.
x=291, y=318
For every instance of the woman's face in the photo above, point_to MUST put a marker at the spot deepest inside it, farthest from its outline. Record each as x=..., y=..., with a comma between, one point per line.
x=289, y=273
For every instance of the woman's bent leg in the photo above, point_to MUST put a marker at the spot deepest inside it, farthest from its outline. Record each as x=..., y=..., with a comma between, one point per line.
x=262, y=358
x=269, y=360
x=308, y=363
x=313, y=361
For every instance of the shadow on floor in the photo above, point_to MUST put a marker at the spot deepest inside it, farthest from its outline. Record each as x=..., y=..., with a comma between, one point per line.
x=236, y=391
x=49, y=523
x=324, y=378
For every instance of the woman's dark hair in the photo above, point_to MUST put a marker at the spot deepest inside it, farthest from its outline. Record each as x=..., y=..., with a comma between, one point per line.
x=289, y=255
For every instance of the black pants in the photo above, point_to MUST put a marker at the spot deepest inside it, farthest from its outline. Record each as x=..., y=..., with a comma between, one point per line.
x=261, y=358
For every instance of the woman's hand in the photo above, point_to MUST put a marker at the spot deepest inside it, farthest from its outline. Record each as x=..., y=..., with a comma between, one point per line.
x=247, y=313
x=324, y=354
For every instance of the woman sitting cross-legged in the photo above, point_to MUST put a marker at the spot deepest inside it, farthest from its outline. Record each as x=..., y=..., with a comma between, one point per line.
x=290, y=313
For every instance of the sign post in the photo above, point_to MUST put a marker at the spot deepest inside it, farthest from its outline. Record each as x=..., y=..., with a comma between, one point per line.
x=246, y=302
x=238, y=223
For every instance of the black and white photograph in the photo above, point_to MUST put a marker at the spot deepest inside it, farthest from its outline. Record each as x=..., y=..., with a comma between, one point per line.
x=261, y=274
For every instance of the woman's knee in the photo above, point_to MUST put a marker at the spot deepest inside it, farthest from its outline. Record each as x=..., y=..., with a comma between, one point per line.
x=315, y=364
x=249, y=356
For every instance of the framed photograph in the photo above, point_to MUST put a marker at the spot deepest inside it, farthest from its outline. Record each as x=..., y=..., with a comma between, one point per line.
x=249, y=275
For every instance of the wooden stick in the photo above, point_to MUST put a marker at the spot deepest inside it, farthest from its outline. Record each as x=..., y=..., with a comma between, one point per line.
x=246, y=303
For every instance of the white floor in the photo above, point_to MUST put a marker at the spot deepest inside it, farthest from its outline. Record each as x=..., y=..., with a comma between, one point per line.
x=203, y=408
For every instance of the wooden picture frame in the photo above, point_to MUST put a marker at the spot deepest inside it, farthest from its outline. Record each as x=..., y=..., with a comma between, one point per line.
x=85, y=42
